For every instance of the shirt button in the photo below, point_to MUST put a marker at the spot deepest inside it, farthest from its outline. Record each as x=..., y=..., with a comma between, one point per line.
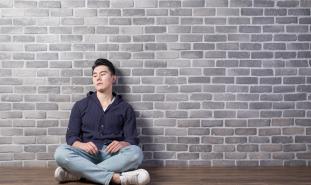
x=102, y=126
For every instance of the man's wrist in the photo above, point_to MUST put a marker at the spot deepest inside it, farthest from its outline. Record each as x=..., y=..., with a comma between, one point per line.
x=76, y=143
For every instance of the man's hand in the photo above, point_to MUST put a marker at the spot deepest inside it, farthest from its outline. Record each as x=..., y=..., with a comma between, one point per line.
x=115, y=146
x=89, y=147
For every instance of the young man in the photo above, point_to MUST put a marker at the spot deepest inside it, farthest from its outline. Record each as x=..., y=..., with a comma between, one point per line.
x=101, y=137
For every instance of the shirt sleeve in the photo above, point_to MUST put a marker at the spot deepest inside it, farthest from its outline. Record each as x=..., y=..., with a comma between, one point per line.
x=74, y=126
x=129, y=129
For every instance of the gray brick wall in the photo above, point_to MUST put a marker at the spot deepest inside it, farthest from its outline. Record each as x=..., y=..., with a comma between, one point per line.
x=213, y=82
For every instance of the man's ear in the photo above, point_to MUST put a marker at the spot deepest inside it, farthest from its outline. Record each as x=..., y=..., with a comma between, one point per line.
x=114, y=79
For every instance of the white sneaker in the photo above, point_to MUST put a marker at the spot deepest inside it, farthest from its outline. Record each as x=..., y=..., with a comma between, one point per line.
x=136, y=177
x=61, y=175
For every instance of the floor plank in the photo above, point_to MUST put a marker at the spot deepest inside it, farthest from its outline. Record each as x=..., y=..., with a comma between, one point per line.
x=179, y=176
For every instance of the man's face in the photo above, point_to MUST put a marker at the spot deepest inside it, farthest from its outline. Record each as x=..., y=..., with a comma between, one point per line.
x=103, y=78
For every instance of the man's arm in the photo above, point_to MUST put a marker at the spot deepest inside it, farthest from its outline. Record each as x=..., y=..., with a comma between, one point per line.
x=129, y=129
x=74, y=132
x=74, y=125
x=130, y=133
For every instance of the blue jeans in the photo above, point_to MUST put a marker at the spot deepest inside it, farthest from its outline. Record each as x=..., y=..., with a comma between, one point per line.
x=98, y=168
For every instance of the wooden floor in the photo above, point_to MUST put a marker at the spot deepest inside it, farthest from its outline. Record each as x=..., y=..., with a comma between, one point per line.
x=180, y=176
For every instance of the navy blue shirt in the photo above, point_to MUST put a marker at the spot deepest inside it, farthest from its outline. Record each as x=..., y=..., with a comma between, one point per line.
x=89, y=122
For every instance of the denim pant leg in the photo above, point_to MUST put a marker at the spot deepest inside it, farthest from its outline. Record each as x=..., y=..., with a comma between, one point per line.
x=128, y=158
x=82, y=163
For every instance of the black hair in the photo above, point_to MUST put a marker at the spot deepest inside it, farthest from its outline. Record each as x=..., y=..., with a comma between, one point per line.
x=104, y=62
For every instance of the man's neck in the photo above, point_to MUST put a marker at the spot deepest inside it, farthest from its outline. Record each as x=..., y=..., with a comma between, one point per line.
x=104, y=97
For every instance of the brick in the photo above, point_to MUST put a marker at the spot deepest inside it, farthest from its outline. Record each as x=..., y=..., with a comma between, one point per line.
x=217, y=3
x=143, y=21
x=11, y=148
x=283, y=20
x=188, y=140
x=156, y=46
x=294, y=147
x=177, y=147
x=169, y=4
x=36, y=12
x=133, y=12
x=107, y=30
x=251, y=11
x=222, y=131
x=164, y=155
x=293, y=131
x=282, y=122
x=212, y=140
x=261, y=55
x=49, y=4
x=235, y=155
x=247, y=148
x=196, y=3
x=157, y=12
x=241, y=3
x=302, y=139
x=224, y=114
x=167, y=20
x=25, y=4
x=166, y=55
x=302, y=11
x=204, y=12
x=245, y=131
x=282, y=139
x=187, y=156
x=269, y=114
x=83, y=30
x=236, y=105
x=283, y=105
x=235, y=139
x=215, y=38
x=176, y=114
x=260, y=105
x=258, y=139
x=214, y=21
x=261, y=38
x=295, y=97
x=213, y=105
x=188, y=105
x=213, y=88
x=198, y=131
x=249, y=29
x=35, y=148
x=247, y=80
x=192, y=54
x=274, y=46
x=191, y=38
x=62, y=12
x=232, y=12
x=182, y=46
x=98, y=4
x=145, y=4
x=275, y=12
x=294, y=113
x=165, y=139
x=227, y=46
x=185, y=12
x=202, y=29
x=262, y=20
x=47, y=123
